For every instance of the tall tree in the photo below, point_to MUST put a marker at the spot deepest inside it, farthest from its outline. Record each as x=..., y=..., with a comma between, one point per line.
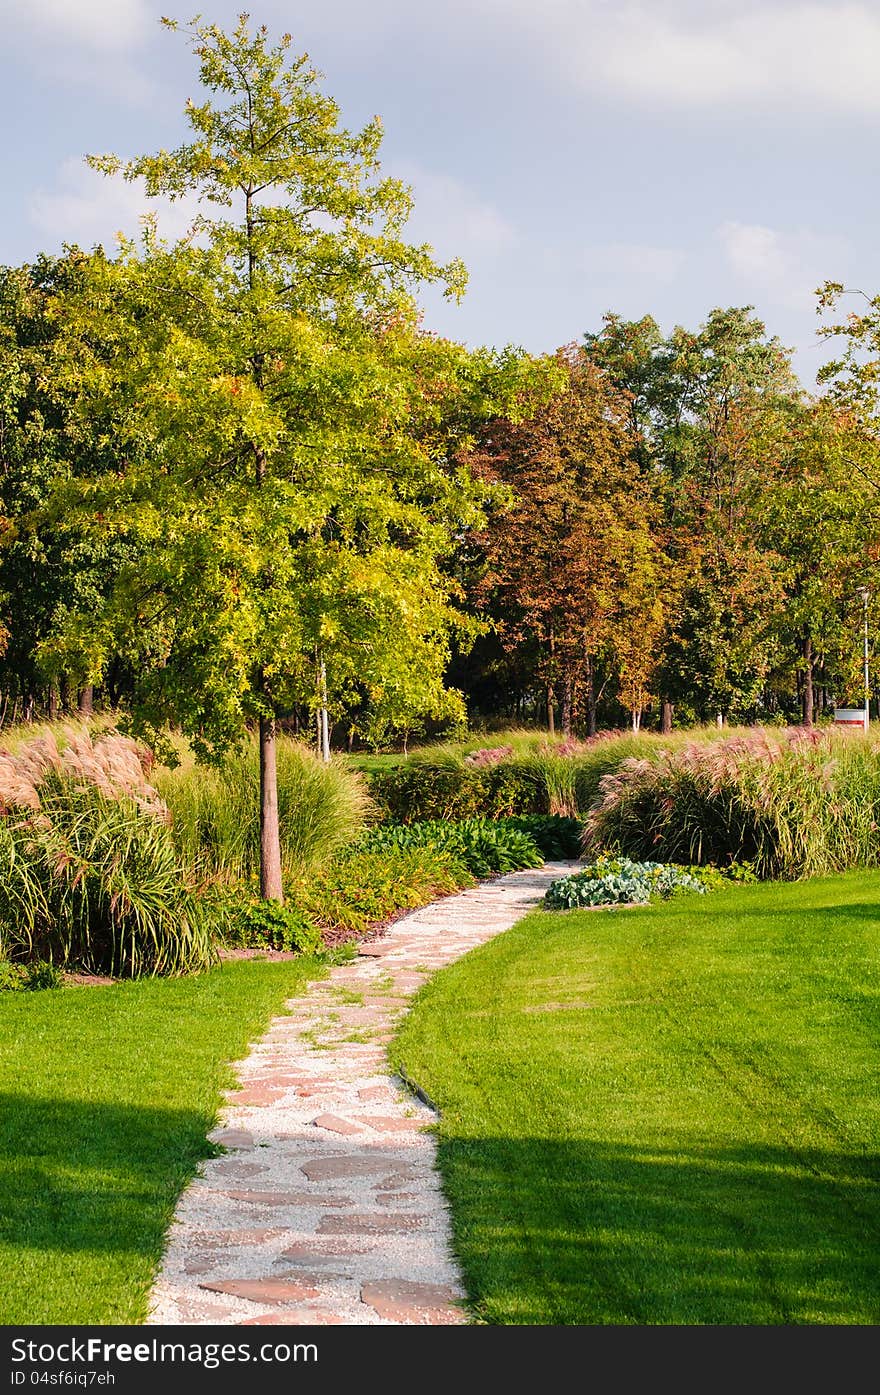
x=285, y=458
x=706, y=398
x=818, y=520
x=46, y=571
x=574, y=542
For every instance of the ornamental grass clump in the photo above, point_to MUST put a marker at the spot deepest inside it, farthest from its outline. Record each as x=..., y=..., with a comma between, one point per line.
x=615, y=881
x=795, y=803
x=95, y=882
x=214, y=810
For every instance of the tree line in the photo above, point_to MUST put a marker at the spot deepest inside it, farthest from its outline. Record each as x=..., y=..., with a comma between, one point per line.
x=691, y=532
x=240, y=483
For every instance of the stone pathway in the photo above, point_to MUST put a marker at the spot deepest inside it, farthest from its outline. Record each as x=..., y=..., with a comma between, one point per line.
x=327, y=1207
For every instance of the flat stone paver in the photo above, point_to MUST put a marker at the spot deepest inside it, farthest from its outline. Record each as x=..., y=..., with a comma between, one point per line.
x=327, y=1206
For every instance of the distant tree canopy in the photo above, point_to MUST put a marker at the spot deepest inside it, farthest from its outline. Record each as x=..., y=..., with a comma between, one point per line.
x=240, y=484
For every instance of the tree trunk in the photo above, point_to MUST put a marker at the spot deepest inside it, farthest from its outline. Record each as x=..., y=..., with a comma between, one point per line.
x=566, y=706
x=325, y=735
x=591, y=700
x=54, y=704
x=636, y=714
x=719, y=720
x=551, y=714
x=271, y=885
x=323, y=720
x=87, y=701
x=64, y=692
x=665, y=716
x=808, y=679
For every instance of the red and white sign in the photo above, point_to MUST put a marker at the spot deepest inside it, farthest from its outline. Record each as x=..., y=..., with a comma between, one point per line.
x=851, y=717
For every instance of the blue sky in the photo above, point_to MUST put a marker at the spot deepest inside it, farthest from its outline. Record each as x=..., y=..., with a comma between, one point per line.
x=660, y=157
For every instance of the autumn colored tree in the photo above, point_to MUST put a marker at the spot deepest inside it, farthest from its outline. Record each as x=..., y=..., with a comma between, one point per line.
x=561, y=562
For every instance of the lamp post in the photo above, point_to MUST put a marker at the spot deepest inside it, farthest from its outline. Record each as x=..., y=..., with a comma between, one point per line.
x=865, y=593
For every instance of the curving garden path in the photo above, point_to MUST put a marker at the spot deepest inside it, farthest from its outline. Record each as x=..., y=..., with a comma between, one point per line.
x=326, y=1207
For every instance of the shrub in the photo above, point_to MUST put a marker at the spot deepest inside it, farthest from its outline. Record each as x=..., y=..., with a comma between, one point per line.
x=364, y=888
x=215, y=810
x=11, y=977
x=17, y=978
x=39, y=974
x=557, y=837
x=792, y=804
x=483, y=846
x=435, y=788
x=96, y=882
x=610, y=881
x=539, y=778
x=268, y=925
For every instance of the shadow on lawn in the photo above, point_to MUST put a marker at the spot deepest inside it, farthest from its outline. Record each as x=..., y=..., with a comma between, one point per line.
x=583, y=1232
x=77, y=1175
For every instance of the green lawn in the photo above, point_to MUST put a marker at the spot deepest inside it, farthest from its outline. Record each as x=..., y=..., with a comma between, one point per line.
x=667, y=1115
x=106, y=1095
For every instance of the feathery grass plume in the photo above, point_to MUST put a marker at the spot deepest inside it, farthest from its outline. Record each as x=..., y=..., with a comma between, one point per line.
x=215, y=810
x=114, y=764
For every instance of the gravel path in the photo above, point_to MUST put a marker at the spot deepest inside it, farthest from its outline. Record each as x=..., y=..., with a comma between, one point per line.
x=326, y=1207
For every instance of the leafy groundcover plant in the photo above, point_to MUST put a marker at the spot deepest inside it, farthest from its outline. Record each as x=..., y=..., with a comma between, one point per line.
x=483, y=846
x=615, y=880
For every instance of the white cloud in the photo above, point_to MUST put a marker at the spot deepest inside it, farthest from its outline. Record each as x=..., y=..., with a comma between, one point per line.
x=86, y=207
x=708, y=53
x=785, y=267
x=107, y=26
x=455, y=219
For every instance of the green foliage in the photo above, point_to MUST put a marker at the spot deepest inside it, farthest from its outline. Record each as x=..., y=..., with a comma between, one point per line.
x=268, y=925
x=611, y=880
x=548, y=779
x=321, y=808
x=484, y=846
x=11, y=976
x=362, y=889
x=41, y=973
x=291, y=477
x=37, y=974
x=556, y=836
x=97, y=883
x=791, y=804
x=434, y=787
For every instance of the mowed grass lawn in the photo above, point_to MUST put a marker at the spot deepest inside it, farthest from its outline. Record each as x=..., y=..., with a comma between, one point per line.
x=106, y=1095
x=666, y=1115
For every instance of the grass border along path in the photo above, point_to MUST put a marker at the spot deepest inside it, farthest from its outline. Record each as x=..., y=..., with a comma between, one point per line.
x=106, y=1095
x=665, y=1115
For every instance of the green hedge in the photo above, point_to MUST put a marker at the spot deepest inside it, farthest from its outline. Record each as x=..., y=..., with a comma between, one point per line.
x=445, y=786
